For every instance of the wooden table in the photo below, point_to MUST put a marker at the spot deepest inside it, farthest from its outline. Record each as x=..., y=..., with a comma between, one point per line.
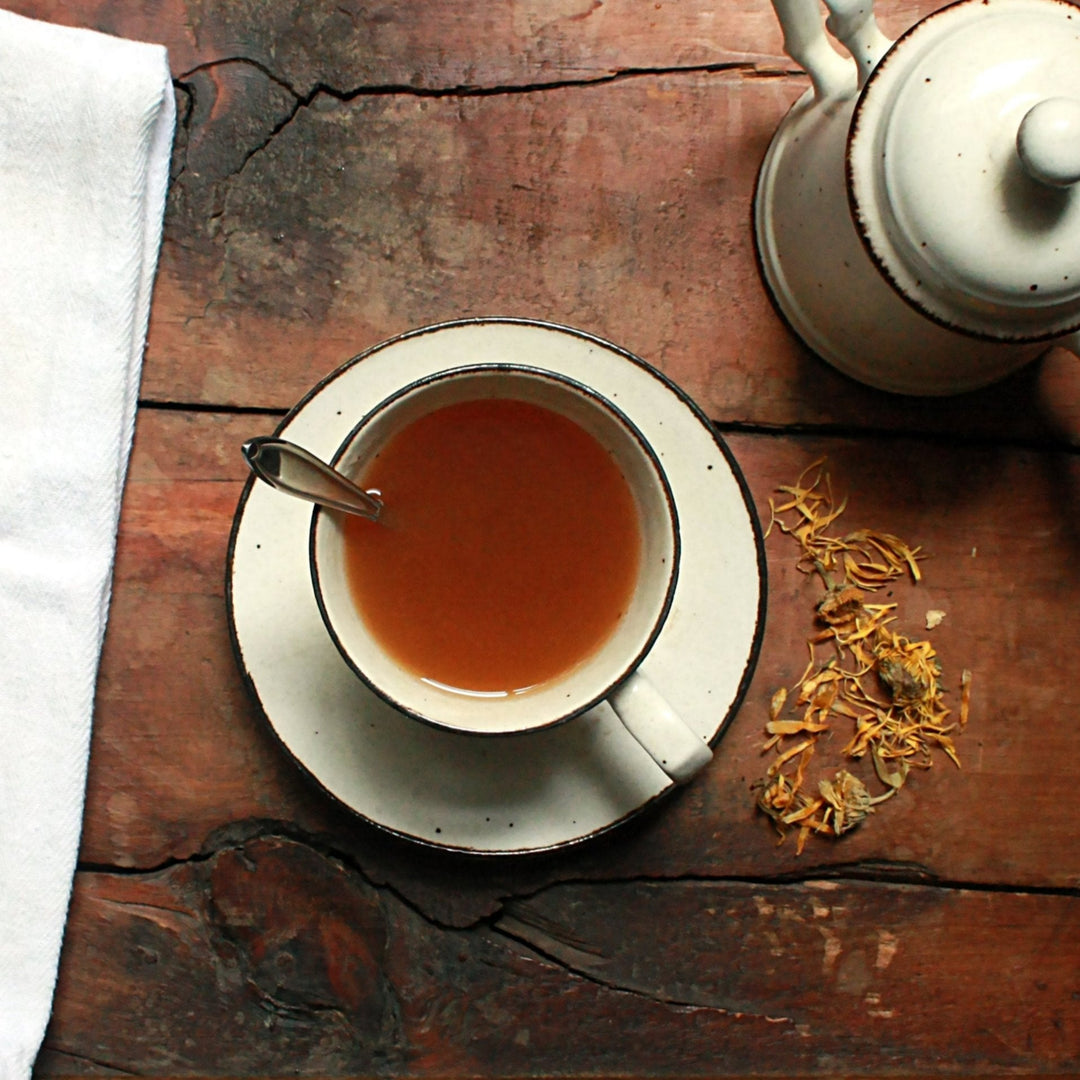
x=347, y=171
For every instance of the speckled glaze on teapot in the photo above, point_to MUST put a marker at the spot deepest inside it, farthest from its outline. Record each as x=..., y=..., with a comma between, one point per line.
x=917, y=214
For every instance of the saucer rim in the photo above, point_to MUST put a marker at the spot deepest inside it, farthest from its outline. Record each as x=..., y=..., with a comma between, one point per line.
x=753, y=653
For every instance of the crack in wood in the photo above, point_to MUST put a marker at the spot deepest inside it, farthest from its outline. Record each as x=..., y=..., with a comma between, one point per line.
x=749, y=68
x=517, y=930
x=1051, y=443
x=272, y=411
x=58, y=1050
x=313, y=939
x=464, y=90
x=150, y=911
x=237, y=834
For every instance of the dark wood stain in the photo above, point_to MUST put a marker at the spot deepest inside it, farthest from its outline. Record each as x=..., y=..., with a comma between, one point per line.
x=347, y=171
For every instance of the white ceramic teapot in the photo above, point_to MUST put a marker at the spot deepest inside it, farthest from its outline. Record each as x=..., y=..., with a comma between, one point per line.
x=917, y=214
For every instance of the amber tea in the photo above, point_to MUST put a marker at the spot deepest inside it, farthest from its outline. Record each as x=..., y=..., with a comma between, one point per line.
x=511, y=548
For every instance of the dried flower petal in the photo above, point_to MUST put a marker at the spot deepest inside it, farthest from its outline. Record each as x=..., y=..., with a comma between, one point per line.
x=794, y=727
x=885, y=685
x=892, y=778
x=776, y=706
x=965, y=696
x=849, y=799
x=840, y=604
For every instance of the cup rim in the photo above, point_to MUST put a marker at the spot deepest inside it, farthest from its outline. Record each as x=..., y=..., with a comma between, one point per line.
x=319, y=513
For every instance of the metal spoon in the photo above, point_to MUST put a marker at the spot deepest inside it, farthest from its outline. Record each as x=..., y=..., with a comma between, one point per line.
x=292, y=469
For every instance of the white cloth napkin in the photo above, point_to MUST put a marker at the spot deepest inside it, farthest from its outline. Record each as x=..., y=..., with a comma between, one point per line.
x=86, y=127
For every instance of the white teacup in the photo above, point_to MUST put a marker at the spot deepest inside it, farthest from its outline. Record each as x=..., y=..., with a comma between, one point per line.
x=610, y=671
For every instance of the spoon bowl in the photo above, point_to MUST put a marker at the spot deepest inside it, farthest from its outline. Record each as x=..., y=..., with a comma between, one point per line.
x=292, y=469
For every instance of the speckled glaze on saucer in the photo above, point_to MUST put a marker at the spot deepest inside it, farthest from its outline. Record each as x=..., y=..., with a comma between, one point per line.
x=502, y=794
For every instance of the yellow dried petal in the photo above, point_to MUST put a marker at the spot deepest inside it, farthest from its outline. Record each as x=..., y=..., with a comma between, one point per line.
x=882, y=683
x=787, y=755
x=776, y=705
x=892, y=778
x=794, y=727
x=965, y=696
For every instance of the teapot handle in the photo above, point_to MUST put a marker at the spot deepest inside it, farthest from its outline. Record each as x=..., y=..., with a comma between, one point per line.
x=853, y=24
x=1071, y=342
x=856, y=28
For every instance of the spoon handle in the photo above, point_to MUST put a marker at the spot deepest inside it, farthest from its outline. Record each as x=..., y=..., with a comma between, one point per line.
x=292, y=469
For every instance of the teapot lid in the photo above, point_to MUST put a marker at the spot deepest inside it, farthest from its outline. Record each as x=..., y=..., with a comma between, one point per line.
x=963, y=165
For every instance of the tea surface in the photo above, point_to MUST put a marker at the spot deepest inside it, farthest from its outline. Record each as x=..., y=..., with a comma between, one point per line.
x=509, y=551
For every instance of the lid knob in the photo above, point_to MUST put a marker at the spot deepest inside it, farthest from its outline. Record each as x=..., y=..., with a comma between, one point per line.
x=963, y=165
x=1048, y=141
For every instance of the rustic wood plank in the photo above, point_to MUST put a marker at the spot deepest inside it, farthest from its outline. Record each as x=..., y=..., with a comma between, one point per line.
x=272, y=958
x=428, y=45
x=364, y=218
x=244, y=961
x=463, y=160
x=345, y=172
x=622, y=209
x=180, y=759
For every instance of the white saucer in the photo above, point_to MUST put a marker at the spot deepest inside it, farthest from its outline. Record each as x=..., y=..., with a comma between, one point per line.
x=496, y=794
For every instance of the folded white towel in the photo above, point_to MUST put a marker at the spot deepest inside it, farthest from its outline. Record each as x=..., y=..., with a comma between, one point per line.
x=86, y=128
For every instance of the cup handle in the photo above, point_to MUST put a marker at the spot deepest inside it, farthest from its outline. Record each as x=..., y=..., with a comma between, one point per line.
x=658, y=728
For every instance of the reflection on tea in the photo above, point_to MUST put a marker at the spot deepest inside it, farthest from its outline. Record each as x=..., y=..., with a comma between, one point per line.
x=510, y=550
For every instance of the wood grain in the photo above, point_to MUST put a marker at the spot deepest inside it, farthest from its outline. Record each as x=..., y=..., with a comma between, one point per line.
x=428, y=45
x=621, y=208
x=180, y=753
x=273, y=958
x=344, y=172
